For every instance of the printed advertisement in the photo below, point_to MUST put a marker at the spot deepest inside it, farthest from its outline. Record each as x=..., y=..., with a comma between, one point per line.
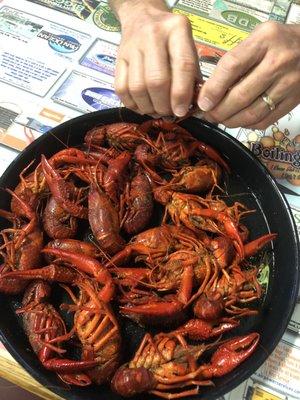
x=37, y=33
x=93, y=11
x=259, y=5
x=213, y=33
x=278, y=147
x=86, y=94
x=225, y=12
x=34, y=75
x=101, y=57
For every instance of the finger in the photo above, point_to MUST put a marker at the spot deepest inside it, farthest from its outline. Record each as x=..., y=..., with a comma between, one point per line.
x=158, y=76
x=137, y=84
x=244, y=93
x=121, y=84
x=185, y=70
x=232, y=66
x=259, y=110
x=281, y=110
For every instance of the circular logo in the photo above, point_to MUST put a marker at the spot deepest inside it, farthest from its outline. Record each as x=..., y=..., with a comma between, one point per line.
x=105, y=19
x=64, y=43
x=100, y=98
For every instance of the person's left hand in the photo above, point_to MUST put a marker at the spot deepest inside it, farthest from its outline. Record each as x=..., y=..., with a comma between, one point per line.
x=266, y=63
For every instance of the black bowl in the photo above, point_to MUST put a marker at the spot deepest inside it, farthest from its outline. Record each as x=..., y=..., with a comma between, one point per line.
x=251, y=184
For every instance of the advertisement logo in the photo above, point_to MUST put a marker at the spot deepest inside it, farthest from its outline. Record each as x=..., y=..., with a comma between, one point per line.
x=105, y=19
x=106, y=59
x=240, y=19
x=100, y=98
x=60, y=43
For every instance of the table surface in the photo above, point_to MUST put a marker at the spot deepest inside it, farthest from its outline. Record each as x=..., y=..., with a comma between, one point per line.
x=64, y=44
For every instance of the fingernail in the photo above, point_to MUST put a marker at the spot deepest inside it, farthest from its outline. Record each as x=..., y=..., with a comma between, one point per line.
x=180, y=111
x=205, y=104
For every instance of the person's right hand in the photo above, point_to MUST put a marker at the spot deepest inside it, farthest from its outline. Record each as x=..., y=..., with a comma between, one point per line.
x=157, y=62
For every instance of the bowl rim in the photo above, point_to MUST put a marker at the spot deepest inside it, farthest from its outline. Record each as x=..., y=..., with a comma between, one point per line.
x=293, y=294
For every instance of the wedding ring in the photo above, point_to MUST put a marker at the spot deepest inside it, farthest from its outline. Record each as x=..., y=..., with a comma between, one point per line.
x=267, y=99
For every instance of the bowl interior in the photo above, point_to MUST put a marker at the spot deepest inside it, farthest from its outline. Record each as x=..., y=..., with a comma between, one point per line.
x=249, y=182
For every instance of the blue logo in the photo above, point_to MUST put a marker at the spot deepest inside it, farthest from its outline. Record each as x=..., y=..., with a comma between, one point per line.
x=63, y=43
x=100, y=98
x=106, y=59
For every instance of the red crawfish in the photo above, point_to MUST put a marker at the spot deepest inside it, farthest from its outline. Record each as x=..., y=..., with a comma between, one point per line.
x=43, y=325
x=80, y=262
x=94, y=322
x=153, y=244
x=58, y=223
x=176, y=145
x=179, y=272
x=63, y=192
x=120, y=135
x=104, y=221
x=22, y=246
x=196, y=213
x=110, y=176
x=165, y=363
x=137, y=204
x=98, y=331
x=199, y=178
x=114, y=178
x=34, y=186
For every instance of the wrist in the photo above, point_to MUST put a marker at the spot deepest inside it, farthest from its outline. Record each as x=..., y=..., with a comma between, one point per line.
x=125, y=10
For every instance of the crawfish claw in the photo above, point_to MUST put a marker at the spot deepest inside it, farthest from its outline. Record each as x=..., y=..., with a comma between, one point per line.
x=253, y=247
x=231, y=354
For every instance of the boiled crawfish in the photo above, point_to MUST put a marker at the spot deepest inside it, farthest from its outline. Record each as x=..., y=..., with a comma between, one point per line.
x=137, y=204
x=22, y=246
x=43, y=325
x=98, y=331
x=104, y=221
x=176, y=145
x=121, y=135
x=153, y=244
x=34, y=186
x=166, y=363
x=197, y=213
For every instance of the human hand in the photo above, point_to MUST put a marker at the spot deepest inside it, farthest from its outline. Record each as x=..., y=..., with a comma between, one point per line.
x=267, y=62
x=157, y=62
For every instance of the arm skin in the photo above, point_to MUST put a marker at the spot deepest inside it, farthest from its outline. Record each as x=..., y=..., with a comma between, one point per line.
x=157, y=62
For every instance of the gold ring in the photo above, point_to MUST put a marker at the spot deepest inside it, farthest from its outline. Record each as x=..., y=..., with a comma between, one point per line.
x=267, y=99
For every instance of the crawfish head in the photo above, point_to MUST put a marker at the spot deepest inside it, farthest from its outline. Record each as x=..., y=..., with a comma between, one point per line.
x=209, y=307
x=128, y=382
x=124, y=135
x=95, y=136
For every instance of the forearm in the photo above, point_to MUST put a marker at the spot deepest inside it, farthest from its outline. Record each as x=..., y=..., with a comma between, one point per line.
x=123, y=8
